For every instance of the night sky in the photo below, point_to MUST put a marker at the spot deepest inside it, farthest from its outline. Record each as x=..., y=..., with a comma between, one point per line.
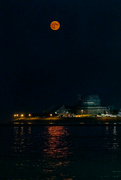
x=40, y=67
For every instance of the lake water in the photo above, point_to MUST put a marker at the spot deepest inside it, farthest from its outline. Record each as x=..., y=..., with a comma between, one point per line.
x=60, y=152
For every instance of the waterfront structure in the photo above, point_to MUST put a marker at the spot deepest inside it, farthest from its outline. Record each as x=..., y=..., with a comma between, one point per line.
x=65, y=111
x=90, y=104
x=87, y=105
x=58, y=110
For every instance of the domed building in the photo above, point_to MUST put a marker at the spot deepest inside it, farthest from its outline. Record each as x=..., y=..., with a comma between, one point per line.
x=90, y=100
x=90, y=104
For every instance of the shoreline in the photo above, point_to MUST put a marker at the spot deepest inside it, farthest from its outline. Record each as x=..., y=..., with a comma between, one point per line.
x=61, y=121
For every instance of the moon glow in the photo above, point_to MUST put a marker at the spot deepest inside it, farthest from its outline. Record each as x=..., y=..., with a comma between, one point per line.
x=55, y=25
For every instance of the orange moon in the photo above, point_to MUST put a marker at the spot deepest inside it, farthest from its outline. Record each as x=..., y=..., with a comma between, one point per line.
x=55, y=25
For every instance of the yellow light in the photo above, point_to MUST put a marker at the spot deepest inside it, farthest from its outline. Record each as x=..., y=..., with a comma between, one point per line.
x=51, y=123
x=22, y=115
x=29, y=123
x=29, y=115
x=106, y=122
x=14, y=115
x=51, y=115
x=17, y=115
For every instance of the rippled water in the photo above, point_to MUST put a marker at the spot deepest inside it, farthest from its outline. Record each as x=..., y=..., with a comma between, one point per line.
x=60, y=152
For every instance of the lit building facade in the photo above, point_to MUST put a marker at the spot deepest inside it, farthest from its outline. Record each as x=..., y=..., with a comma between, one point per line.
x=87, y=105
x=90, y=104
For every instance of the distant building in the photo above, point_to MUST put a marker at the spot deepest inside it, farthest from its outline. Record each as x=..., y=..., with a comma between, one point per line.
x=60, y=110
x=64, y=111
x=87, y=105
x=90, y=104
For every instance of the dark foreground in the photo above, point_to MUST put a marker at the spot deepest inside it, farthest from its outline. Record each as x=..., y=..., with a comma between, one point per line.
x=60, y=152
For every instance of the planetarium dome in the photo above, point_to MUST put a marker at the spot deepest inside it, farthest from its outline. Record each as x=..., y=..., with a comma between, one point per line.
x=90, y=100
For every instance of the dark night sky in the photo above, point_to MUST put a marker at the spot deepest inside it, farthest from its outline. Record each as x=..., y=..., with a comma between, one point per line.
x=40, y=67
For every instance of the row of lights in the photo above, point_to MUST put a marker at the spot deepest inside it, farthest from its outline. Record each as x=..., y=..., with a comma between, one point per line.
x=21, y=115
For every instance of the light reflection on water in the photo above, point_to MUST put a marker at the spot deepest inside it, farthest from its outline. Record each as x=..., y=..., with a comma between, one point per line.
x=111, y=144
x=55, y=146
x=60, y=152
x=115, y=143
x=21, y=139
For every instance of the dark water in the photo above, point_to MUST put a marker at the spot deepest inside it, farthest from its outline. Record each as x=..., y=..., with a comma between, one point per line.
x=60, y=152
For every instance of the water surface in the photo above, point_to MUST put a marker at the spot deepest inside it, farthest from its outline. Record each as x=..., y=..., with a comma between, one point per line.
x=60, y=152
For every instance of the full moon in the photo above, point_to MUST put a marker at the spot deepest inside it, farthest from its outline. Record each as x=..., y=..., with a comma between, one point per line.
x=55, y=25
